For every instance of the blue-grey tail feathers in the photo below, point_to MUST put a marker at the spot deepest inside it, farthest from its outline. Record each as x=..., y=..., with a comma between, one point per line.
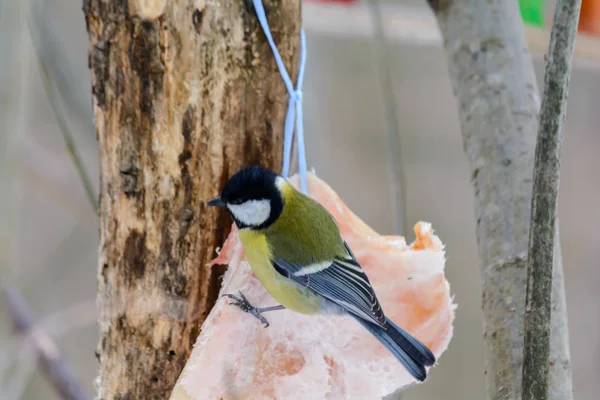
x=414, y=355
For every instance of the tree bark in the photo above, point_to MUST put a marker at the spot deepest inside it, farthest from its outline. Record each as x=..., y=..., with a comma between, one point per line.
x=184, y=94
x=492, y=76
x=546, y=174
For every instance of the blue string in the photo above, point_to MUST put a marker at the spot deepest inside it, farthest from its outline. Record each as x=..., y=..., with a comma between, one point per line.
x=294, y=110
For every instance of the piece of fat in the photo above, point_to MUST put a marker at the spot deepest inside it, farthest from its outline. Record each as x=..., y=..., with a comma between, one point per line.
x=321, y=357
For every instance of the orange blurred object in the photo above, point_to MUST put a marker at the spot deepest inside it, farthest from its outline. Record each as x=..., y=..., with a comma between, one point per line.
x=589, y=18
x=321, y=357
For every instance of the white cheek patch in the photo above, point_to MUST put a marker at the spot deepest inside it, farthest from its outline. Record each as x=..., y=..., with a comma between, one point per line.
x=251, y=212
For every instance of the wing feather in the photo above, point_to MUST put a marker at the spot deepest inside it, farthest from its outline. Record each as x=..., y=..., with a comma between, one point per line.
x=343, y=282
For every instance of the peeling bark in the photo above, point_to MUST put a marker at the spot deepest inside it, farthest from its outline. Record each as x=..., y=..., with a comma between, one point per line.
x=184, y=94
x=492, y=76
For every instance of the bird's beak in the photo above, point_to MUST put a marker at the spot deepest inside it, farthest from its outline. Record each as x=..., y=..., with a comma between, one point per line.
x=216, y=202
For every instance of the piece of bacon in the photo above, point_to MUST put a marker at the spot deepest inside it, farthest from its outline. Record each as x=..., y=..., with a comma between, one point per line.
x=321, y=357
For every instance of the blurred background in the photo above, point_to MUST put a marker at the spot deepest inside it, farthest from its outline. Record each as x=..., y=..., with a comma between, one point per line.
x=49, y=233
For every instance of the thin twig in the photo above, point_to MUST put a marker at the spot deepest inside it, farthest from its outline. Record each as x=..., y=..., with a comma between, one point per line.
x=398, y=183
x=59, y=114
x=16, y=383
x=54, y=365
x=546, y=174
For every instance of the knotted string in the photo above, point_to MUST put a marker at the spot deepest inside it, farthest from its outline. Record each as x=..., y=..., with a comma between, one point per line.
x=294, y=111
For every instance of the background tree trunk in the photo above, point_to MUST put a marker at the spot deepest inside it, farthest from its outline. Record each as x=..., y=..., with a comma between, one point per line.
x=184, y=94
x=492, y=76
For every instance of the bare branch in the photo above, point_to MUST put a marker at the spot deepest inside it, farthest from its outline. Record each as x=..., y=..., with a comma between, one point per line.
x=536, y=351
x=54, y=365
x=492, y=76
x=397, y=175
x=61, y=119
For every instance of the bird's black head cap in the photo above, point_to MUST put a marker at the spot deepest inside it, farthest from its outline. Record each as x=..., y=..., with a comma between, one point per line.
x=254, y=183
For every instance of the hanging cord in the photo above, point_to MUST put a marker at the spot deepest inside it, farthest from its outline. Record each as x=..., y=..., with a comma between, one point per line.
x=295, y=102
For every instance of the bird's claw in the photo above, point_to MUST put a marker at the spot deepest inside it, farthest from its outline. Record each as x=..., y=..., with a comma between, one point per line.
x=245, y=306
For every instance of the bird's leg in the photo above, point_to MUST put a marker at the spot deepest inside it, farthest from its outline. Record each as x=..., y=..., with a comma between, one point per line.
x=245, y=306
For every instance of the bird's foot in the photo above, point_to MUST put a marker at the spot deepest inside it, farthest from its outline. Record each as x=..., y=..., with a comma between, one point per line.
x=244, y=305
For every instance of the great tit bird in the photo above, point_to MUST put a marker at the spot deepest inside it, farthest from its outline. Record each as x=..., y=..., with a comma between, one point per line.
x=295, y=249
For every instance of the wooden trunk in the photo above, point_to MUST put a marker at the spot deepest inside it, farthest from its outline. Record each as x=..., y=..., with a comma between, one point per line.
x=184, y=94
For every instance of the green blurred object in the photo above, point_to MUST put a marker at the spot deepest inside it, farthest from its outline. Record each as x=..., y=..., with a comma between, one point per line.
x=532, y=12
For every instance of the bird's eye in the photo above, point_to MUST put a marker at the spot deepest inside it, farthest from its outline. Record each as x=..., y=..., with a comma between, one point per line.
x=236, y=201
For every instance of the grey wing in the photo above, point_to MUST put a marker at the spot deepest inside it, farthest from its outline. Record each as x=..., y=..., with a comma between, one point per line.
x=341, y=281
